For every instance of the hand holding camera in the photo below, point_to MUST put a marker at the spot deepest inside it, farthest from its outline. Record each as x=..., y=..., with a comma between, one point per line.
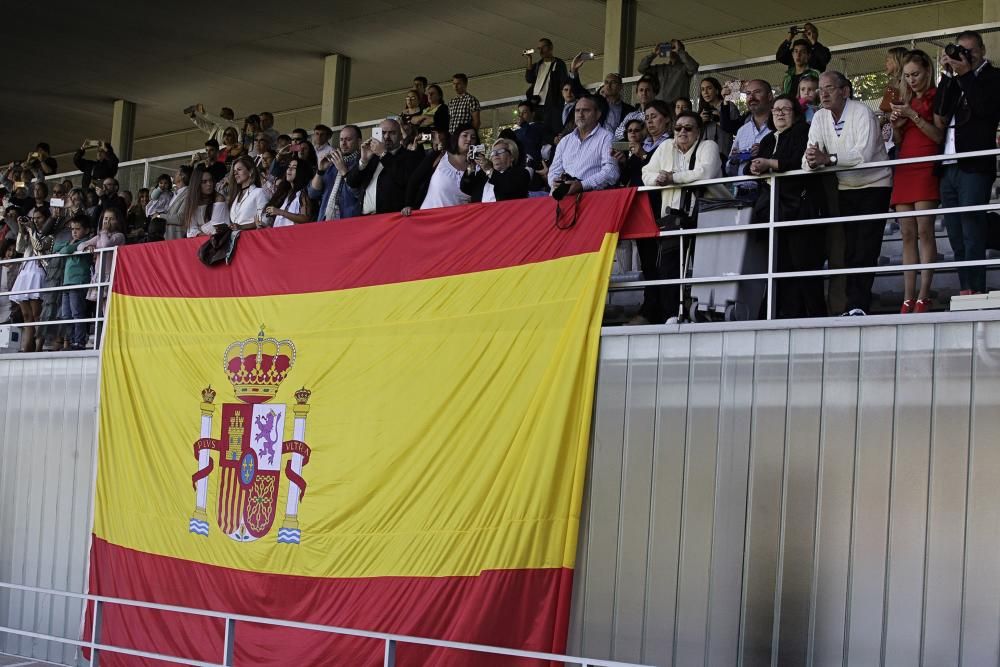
x=568, y=185
x=957, y=58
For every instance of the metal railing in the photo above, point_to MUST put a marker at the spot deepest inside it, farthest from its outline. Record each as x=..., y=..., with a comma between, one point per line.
x=856, y=58
x=390, y=641
x=772, y=225
x=103, y=264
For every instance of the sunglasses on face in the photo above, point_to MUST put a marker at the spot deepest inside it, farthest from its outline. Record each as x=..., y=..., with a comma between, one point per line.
x=683, y=128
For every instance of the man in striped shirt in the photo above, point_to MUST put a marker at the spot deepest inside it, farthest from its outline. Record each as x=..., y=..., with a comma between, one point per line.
x=583, y=158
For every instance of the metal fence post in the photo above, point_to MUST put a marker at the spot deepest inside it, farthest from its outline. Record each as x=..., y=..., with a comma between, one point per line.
x=390, y=653
x=229, y=648
x=145, y=172
x=95, y=632
x=772, y=205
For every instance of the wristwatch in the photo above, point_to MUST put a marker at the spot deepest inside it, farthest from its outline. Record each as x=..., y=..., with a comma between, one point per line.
x=833, y=159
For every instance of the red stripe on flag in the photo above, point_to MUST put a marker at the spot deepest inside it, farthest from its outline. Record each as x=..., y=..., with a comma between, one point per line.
x=385, y=249
x=523, y=609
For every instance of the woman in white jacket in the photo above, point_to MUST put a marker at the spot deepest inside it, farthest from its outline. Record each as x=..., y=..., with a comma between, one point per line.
x=205, y=210
x=671, y=164
x=246, y=198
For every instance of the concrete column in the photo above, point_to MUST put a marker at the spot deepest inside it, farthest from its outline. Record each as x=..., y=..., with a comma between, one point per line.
x=619, y=37
x=123, y=129
x=336, y=84
x=991, y=14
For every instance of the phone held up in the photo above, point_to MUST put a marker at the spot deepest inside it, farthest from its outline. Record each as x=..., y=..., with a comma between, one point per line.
x=377, y=134
x=664, y=49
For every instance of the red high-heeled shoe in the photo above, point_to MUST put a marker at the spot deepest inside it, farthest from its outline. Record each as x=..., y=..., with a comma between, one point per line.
x=922, y=306
x=907, y=307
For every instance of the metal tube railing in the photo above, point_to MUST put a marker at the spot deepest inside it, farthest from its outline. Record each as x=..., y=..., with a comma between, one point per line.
x=99, y=283
x=391, y=641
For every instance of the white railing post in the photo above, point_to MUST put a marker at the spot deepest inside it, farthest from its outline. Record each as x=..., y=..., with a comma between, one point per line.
x=97, y=302
x=770, y=246
x=145, y=174
x=95, y=632
x=390, y=653
x=229, y=643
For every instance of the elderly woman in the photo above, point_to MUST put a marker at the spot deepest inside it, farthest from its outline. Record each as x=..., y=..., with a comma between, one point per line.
x=799, y=248
x=497, y=177
x=683, y=159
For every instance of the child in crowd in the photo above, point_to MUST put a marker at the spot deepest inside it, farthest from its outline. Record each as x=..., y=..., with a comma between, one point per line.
x=76, y=271
x=809, y=96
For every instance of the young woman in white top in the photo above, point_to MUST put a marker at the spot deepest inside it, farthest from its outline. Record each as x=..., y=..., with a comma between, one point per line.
x=441, y=174
x=31, y=242
x=246, y=198
x=205, y=210
x=290, y=204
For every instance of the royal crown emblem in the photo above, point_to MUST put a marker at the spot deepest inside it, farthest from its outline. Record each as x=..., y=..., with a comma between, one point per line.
x=252, y=445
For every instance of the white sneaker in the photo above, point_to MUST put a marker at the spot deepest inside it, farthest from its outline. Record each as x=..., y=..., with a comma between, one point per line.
x=854, y=312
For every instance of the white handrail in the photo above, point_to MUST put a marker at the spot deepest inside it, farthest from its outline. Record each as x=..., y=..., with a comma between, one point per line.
x=329, y=629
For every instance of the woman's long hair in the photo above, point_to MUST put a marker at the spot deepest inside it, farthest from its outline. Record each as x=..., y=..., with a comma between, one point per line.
x=924, y=60
x=896, y=53
x=196, y=199
x=285, y=190
x=234, y=189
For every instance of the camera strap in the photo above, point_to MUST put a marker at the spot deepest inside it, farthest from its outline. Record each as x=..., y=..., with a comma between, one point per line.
x=576, y=212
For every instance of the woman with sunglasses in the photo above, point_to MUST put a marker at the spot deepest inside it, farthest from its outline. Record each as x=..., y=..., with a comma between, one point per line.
x=799, y=248
x=685, y=158
x=497, y=176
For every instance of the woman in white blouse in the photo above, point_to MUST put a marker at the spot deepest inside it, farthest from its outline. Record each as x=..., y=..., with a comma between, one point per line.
x=671, y=162
x=290, y=204
x=441, y=174
x=246, y=198
x=205, y=210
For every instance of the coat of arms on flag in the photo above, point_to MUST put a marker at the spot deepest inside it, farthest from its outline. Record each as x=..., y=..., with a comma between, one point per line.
x=251, y=445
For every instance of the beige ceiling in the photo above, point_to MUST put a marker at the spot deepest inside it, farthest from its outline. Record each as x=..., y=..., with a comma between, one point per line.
x=255, y=56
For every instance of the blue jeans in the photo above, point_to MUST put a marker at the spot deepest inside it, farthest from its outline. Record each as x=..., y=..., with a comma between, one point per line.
x=966, y=231
x=74, y=307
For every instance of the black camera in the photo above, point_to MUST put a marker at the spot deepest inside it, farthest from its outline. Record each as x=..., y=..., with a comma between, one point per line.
x=794, y=30
x=560, y=190
x=958, y=52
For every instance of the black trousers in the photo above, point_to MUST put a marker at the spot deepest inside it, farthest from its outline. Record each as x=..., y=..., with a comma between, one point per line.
x=659, y=259
x=862, y=240
x=801, y=249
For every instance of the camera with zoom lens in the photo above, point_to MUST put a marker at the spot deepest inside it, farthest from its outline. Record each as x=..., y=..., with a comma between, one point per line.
x=564, y=182
x=794, y=30
x=958, y=52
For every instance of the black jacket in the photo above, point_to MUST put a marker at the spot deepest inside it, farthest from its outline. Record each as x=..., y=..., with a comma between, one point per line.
x=799, y=197
x=558, y=75
x=974, y=101
x=511, y=184
x=390, y=191
x=818, y=60
x=96, y=169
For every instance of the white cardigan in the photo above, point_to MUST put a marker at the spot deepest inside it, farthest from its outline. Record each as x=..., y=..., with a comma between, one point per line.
x=247, y=210
x=666, y=158
x=859, y=142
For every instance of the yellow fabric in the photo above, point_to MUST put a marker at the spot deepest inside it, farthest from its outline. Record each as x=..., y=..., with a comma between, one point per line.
x=449, y=421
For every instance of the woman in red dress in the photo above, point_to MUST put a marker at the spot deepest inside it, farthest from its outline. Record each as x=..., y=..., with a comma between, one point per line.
x=918, y=133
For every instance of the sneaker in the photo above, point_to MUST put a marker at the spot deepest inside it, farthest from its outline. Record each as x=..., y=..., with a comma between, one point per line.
x=922, y=306
x=854, y=312
x=907, y=307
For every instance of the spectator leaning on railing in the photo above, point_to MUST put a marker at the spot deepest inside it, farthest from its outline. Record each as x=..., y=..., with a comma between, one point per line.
x=845, y=133
x=748, y=137
x=583, y=159
x=969, y=97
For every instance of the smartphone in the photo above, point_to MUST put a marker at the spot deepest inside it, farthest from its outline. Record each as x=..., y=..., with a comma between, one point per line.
x=664, y=48
x=20, y=184
x=426, y=137
x=56, y=202
x=620, y=146
x=528, y=52
x=586, y=55
x=377, y=134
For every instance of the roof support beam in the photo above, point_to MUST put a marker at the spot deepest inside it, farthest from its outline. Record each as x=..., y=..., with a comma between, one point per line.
x=619, y=36
x=336, y=85
x=123, y=129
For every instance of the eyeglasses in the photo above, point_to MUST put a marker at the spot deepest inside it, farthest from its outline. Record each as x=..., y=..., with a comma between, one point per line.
x=683, y=128
x=781, y=111
x=829, y=89
x=498, y=151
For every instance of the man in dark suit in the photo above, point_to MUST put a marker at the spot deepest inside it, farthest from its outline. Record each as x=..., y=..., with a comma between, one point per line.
x=546, y=78
x=384, y=169
x=968, y=98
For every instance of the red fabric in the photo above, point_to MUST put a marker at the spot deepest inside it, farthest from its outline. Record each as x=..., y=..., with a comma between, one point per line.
x=517, y=608
x=383, y=249
x=916, y=182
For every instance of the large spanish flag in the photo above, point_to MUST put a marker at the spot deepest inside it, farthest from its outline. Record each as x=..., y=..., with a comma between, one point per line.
x=379, y=423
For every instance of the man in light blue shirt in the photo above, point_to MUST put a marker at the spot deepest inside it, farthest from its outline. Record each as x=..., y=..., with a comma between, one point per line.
x=749, y=136
x=583, y=158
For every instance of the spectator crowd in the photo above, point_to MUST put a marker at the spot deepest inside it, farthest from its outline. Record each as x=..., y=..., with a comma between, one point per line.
x=567, y=141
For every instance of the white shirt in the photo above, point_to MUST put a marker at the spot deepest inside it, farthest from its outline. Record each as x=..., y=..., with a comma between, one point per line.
x=293, y=205
x=541, y=88
x=707, y=164
x=444, y=187
x=247, y=207
x=949, y=135
x=860, y=142
x=748, y=135
x=199, y=226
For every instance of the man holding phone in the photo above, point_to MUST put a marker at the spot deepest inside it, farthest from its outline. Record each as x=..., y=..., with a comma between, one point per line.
x=545, y=79
x=675, y=74
x=384, y=169
x=106, y=164
x=337, y=201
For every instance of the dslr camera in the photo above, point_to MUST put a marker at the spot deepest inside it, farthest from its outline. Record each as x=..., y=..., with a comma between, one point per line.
x=564, y=182
x=794, y=30
x=958, y=52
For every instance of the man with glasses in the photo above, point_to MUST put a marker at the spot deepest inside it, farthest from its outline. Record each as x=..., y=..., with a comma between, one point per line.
x=748, y=137
x=845, y=133
x=972, y=113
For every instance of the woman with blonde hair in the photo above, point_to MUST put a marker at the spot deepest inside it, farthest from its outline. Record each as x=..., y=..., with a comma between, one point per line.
x=918, y=132
x=497, y=176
